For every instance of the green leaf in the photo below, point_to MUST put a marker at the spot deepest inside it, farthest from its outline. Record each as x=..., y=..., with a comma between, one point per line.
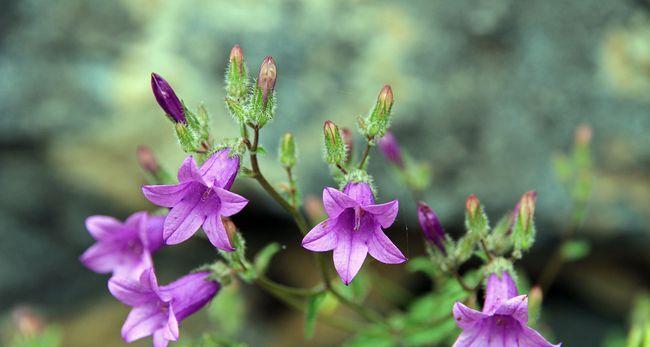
x=227, y=311
x=423, y=264
x=575, y=250
x=433, y=334
x=373, y=337
x=263, y=258
x=314, y=304
x=260, y=150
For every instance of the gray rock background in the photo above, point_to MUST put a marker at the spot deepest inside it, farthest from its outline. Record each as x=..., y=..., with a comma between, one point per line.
x=487, y=92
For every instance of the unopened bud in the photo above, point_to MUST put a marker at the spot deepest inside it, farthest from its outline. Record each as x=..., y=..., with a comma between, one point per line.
x=431, y=226
x=230, y=227
x=314, y=208
x=472, y=205
x=523, y=232
x=349, y=143
x=390, y=149
x=476, y=220
x=527, y=207
x=266, y=79
x=334, y=145
x=167, y=99
x=147, y=159
x=385, y=99
x=237, y=57
x=378, y=121
x=236, y=79
x=288, y=151
x=28, y=323
x=583, y=134
x=535, y=297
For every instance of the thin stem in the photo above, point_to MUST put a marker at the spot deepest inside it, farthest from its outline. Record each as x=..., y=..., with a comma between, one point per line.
x=290, y=290
x=342, y=169
x=292, y=187
x=365, y=154
x=485, y=249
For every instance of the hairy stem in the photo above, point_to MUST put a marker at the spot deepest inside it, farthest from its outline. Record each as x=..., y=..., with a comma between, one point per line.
x=364, y=156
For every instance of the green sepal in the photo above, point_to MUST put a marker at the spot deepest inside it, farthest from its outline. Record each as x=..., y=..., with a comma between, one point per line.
x=314, y=304
x=263, y=257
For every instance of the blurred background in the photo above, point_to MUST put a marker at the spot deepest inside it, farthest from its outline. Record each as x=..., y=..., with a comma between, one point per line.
x=487, y=93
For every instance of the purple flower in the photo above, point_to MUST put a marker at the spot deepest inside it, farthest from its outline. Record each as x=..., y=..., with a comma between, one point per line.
x=354, y=229
x=158, y=310
x=390, y=148
x=502, y=323
x=167, y=99
x=123, y=248
x=200, y=198
x=431, y=226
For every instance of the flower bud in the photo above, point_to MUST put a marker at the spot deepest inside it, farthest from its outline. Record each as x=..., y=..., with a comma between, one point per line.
x=288, y=151
x=472, y=205
x=475, y=218
x=147, y=159
x=583, y=135
x=237, y=57
x=314, y=208
x=236, y=77
x=535, y=297
x=334, y=145
x=377, y=122
x=266, y=79
x=431, y=226
x=523, y=232
x=28, y=323
x=390, y=149
x=349, y=143
x=167, y=99
x=231, y=228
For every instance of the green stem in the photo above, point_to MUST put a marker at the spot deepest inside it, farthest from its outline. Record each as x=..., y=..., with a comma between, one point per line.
x=365, y=154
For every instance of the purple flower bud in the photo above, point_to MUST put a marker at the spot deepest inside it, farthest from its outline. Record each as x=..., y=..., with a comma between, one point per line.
x=472, y=205
x=237, y=57
x=431, y=227
x=147, y=159
x=266, y=79
x=390, y=148
x=167, y=99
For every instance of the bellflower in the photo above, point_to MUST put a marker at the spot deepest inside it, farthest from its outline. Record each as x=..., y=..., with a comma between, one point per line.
x=158, y=310
x=354, y=229
x=431, y=226
x=200, y=198
x=390, y=149
x=123, y=248
x=502, y=323
x=167, y=99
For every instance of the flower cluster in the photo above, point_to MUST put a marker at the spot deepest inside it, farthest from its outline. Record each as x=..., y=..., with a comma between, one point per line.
x=355, y=224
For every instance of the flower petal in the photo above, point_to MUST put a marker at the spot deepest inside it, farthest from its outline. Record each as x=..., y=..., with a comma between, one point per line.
x=154, y=233
x=475, y=336
x=190, y=293
x=101, y=226
x=335, y=202
x=360, y=192
x=349, y=254
x=528, y=337
x=103, y=257
x=131, y=292
x=384, y=213
x=143, y=321
x=166, y=195
x=382, y=248
x=466, y=317
x=159, y=339
x=171, y=329
x=189, y=171
x=231, y=203
x=499, y=289
x=516, y=307
x=220, y=169
x=320, y=238
x=185, y=218
x=216, y=232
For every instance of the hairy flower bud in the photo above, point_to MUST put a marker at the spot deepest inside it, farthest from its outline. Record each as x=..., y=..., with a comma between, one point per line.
x=167, y=99
x=334, y=144
x=147, y=159
x=236, y=78
x=230, y=227
x=266, y=79
x=288, y=151
x=475, y=218
x=472, y=205
x=431, y=226
x=376, y=124
x=523, y=232
x=390, y=149
x=237, y=57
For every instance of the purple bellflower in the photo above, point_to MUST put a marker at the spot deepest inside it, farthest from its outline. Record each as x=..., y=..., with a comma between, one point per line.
x=354, y=229
x=167, y=99
x=390, y=149
x=431, y=226
x=123, y=248
x=158, y=310
x=200, y=198
x=502, y=323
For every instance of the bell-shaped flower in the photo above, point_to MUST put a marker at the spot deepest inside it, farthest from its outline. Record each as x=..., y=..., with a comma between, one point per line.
x=354, y=229
x=502, y=323
x=431, y=226
x=123, y=248
x=200, y=198
x=158, y=310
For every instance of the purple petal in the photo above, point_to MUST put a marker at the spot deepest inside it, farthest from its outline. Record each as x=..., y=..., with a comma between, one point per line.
x=185, y=218
x=498, y=290
x=475, y=336
x=167, y=99
x=528, y=337
x=154, y=233
x=190, y=293
x=143, y=321
x=382, y=248
x=320, y=239
x=231, y=203
x=189, y=171
x=170, y=331
x=166, y=195
x=103, y=257
x=360, y=192
x=516, y=307
x=349, y=254
x=135, y=267
x=335, y=202
x=220, y=169
x=101, y=226
x=159, y=339
x=384, y=213
x=466, y=317
x=216, y=232
x=131, y=292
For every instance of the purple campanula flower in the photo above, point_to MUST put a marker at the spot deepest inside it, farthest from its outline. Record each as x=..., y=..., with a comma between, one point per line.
x=502, y=323
x=158, y=310
x=354, y=229
x=123, y=248
x=390, y=148
x=167, y=99
x=431, y=226
x=200, y=198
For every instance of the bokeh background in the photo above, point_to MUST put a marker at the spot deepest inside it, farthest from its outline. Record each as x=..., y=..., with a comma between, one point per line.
x=487, y=92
